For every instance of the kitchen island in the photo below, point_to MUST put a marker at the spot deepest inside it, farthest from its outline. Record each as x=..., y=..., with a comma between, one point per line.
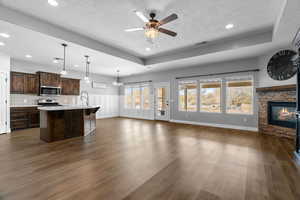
x=63, y=122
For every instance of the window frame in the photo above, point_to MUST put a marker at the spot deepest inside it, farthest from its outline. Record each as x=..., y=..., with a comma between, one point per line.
x=131, y=97
x=221, y=94
x=186, y=96
x=133, y=106
x=142, y=97
x=237, y=79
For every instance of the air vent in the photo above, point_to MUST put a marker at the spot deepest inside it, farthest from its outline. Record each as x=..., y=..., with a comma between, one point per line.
x=201, y=43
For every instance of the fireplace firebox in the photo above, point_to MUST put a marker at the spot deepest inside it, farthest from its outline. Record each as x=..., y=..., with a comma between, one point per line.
x=282, y=114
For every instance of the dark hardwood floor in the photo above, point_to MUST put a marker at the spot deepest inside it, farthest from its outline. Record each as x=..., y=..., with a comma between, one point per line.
x=147, y=160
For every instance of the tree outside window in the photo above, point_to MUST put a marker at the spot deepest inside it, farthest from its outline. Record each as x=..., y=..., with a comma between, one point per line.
x=210, y=96
x=239, y=97
x=187, y=96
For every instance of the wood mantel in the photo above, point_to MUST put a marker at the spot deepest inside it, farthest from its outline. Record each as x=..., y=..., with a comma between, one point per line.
x=291, y=87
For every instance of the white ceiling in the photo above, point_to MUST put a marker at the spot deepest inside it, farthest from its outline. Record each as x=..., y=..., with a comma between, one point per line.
x=44, y=48
x=199, y=20
x=104, y=22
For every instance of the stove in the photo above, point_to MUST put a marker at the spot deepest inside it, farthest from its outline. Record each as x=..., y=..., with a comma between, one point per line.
x=48, y=102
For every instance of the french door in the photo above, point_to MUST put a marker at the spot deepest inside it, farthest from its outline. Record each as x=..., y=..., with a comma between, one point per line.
x=161, y=105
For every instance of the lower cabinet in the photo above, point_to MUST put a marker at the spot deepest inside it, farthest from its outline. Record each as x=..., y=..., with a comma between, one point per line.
x=24, y=117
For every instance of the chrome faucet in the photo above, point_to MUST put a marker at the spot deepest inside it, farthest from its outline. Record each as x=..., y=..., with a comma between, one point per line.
x=84, y=96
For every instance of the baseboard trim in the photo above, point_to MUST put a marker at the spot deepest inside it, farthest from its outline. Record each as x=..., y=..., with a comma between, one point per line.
x=146, y=118
x=245, y=128
x=107, y=116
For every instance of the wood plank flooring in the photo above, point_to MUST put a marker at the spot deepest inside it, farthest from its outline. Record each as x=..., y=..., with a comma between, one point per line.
x=146, y=160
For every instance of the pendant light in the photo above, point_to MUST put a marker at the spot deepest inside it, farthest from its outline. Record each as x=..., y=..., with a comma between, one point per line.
x=64, y=72
x=117, y=82
x=87, y=69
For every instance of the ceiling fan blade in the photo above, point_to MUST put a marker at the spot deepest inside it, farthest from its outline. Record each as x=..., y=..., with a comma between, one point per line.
x=168, y=32
x=134, y=29
x=168, y=19
x=141, y=16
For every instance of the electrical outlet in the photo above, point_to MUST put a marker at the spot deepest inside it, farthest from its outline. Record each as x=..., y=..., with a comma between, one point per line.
x=25, y=100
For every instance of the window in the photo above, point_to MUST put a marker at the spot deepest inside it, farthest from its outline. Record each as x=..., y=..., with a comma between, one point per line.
x=210, y=96
x=239, y=96
x=137, y=97
x=128, y=98
x=146, y=97
x=136, y=94
x=187, y=93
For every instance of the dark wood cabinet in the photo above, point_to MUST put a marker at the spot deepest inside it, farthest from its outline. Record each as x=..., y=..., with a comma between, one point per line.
x=23, y=83
x=24, y=117
x=17, y=83
x=70, y=86
x=49, y=79
x=34, y=118
x=31, y=85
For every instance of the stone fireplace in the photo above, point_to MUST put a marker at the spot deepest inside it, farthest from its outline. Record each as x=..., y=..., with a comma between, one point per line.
x=276, y=115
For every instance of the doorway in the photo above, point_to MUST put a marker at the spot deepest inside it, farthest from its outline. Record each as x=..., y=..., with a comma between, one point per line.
x=161, y=101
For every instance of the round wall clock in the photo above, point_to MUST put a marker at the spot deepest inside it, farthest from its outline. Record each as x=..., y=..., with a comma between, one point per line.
x=281, y=66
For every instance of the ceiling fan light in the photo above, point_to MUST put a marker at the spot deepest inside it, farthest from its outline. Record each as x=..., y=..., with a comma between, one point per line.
x=151, y=33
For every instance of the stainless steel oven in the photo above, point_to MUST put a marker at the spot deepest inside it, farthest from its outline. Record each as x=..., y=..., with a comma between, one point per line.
x=50, y=91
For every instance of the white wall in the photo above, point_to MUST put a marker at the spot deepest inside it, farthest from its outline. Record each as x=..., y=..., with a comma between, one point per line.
x=5, y=68
x=248, y=122
x=106, y=98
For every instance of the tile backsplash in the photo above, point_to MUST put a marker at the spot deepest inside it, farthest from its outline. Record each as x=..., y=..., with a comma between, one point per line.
x=24, y=99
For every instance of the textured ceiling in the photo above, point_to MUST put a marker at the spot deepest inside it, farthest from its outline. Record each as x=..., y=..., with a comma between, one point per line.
x=199, y=20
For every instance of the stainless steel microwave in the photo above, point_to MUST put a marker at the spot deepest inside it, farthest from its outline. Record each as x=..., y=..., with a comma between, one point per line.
x=50, y=91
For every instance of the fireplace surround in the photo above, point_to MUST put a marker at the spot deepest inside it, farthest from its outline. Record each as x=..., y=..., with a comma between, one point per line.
x=282, y=114
x=286, y=93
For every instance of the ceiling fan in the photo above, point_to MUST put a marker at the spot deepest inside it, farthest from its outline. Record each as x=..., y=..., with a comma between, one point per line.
x=153, y=26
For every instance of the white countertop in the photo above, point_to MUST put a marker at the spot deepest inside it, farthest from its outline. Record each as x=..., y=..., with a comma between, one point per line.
x=19, y=106
x=54, y=108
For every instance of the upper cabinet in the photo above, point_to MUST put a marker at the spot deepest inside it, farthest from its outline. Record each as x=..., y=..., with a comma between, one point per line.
x=23, y=83
x=31, y=84
x=49, y=79
x=17, y=83
x=70, y=86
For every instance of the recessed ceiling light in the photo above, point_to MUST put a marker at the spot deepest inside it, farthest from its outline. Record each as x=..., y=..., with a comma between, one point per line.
x=76, y=65
x=2, y=44
x=5, y=35
x=53, y=3
x=55, y=60
x=229, y=26
x=28, y=56
x=147, y=49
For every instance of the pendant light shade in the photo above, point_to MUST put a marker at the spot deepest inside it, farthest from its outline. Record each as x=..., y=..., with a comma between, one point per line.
x=64, y=71
x=117, y=82
x=87, y=69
